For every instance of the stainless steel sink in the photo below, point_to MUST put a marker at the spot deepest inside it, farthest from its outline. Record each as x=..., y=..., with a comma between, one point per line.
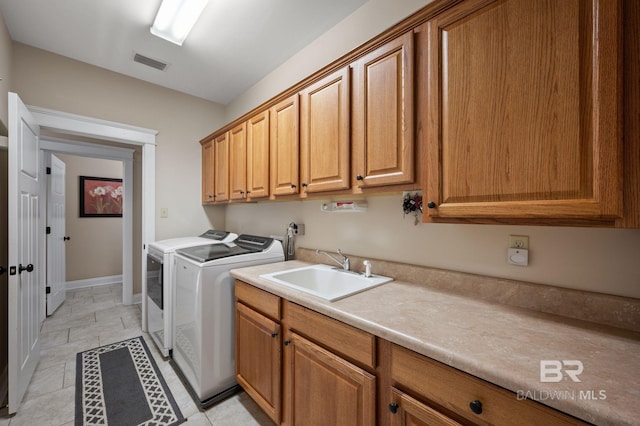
x=325, y=281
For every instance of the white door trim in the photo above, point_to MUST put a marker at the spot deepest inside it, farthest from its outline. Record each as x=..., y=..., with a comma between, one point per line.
x=66, y=123
x=125, y=155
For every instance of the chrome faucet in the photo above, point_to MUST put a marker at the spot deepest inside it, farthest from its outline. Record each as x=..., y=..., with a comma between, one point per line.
x=344, y=262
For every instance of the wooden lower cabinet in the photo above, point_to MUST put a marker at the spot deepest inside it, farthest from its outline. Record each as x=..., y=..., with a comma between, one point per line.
x=326, y=389
x=407, y=411
x=305, y=368
x=450, y=394
x=258, y=359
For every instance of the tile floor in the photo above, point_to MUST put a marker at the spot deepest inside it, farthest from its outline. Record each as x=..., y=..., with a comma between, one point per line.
x=95, y=317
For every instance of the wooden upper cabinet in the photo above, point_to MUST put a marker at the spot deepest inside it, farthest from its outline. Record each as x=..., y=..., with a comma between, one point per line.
x=238, y=162
x=258, y=155
x=325, y=133
x=221, y=168
x=524, y=110
x=284, y=141
x=208, y=159
x=383, y=144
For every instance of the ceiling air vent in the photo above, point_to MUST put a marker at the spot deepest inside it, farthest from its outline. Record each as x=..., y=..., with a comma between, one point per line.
x=144, y=60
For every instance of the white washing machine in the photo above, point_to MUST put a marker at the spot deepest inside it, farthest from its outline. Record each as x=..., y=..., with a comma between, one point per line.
x=160, y=283
x=203, y=350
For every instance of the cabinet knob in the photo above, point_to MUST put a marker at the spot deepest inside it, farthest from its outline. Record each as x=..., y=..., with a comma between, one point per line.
x=393, y=407
x=304, y=184
x=359, y=177
x=476, y=406
x=431, y=205
x=28, y=268
x=287, y=342
x=241, y=192
x=248, y=192
x=274, y=335
x=66, y=238
x=293, y=185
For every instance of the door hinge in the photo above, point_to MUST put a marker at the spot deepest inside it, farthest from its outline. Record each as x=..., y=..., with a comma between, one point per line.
x=48, y=230
x=48, y=289
x=48, y=170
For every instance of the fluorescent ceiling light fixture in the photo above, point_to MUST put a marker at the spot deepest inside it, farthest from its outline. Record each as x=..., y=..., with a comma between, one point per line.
x=176, y=18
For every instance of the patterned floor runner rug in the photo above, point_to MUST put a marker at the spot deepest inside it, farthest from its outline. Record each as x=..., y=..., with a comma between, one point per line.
x=120, y=384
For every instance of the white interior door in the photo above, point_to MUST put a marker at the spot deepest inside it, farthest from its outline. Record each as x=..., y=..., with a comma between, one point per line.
x=25, y=291
x=56, y=268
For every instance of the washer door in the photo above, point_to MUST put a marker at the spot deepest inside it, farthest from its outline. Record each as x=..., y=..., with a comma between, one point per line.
x=155, y=280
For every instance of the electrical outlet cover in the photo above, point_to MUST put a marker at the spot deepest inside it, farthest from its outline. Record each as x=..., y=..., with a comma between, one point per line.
x=518, y=257
x=519, y=241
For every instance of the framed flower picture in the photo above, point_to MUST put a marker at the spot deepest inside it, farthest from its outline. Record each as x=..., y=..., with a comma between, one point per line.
x=100, y=197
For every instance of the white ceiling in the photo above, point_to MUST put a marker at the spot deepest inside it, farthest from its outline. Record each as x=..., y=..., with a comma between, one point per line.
x=232, y=46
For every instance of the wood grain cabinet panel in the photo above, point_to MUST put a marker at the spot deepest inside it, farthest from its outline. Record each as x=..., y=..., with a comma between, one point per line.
x=221, y=168
x=325, y=133
x=284, y=146
x=258, y=155
x=463, y=396
x=383, y=145
x=208, y=161
x=524, y=108
x=258, y=359
x=238, y=162
x=326, y=389
x=407, y=411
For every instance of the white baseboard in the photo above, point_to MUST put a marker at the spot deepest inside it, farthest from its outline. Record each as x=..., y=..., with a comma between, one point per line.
x=94, y=282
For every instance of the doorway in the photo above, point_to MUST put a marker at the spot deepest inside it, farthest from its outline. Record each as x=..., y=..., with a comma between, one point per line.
x=83, y=250
x=131, y=137
x=39, y=119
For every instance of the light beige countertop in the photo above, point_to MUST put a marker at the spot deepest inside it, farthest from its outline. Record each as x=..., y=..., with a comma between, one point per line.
x=501, y=344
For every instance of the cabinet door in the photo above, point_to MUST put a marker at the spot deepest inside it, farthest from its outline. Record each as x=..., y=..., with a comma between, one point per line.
x=258, y=155
x=221, y=169
x=208, y=159
x=524, y=111
x=238, y=162
x=326, y=389
x=406, y=411
x=325, y=134
x=258, y=359
x=383, y=115
x=284, y=143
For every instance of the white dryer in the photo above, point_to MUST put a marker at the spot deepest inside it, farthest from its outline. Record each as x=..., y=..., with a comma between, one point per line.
x=203, y=350
x=160, y=290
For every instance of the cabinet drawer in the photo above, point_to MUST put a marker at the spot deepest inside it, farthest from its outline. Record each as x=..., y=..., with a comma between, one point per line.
x=454, y=390
x=262, y=301
x=356, y=345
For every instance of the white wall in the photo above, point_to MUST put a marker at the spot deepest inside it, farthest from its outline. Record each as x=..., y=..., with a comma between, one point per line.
x=6, y=52
x=600, y=260
x=593, y=259
x=181, y=120
x=371, y=19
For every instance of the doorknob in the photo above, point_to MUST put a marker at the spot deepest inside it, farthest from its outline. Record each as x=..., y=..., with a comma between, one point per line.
x=66, y=238
x=2, y=270
x=28, y=268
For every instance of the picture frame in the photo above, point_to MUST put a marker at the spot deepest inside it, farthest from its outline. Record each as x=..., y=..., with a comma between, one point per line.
x=100, y=197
